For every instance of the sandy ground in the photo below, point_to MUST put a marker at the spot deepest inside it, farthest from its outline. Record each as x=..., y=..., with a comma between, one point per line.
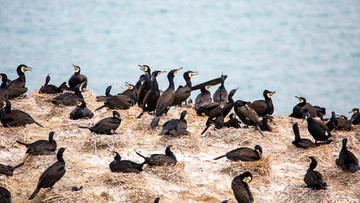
x=196, y=177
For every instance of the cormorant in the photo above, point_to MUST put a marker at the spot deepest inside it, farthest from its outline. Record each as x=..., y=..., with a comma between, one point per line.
x=3, y=87
x=221, y=95
x=17, y=87
x=243, y=154
x=145, y=84
x=264, y=107
x=107, y=95
x=77, y=78
x=298, y=110
x=41, y=147
x=347, y=160
x=8, y=170
x=355, y=118
x=5, y=195
x=52, y=89
x=230, y=103
x=314, y=179
x=124, y=166
x=232, y=122
x=166, y=99
x=339, y=123
x=299, y=142
x=264, y=123
x=183, y=93
x=320, y=112
x=207, y=108
x=81, y=111
x=176, y=127
x=15, y=118
x=161, y=159
x=317, y=129
x=106, y=125
x=241, y=188
x=247, y=115
x=216, y=117
x=203, y=98
x=52, y=174
x=120, y=101
x=68, y=98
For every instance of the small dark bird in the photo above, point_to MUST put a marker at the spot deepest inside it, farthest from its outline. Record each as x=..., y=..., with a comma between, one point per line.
x=107, y=95
x=5, y=195
x=184, y=92
x=120, y=101
x=106, y=125
x=75, y=188
x=338, y=123
x=264, y=107
x=317, y=129
x=145, y=85
x=203, y=98
x=17, y=87
x=241, y=188
x=157, y=200
x=347, y=160
x=314, y=179
x=221, y=94
x=264, y=123
x=176, y=127
x=320, y=112
x=161, y=159
x=41, y=147
x=243, y=154
x=355, y=118
x=68, y=98
x=8, y=170
x=232, y=122
x=300, y=142
x=3, y=87
x=77, y=78
x=230, y=103
x=216, y=117
x=247, y=115
x=81, y=111
x=298, y=110
x=15, y=118
x=51, y=89
x=124, y=166
x=52, y=174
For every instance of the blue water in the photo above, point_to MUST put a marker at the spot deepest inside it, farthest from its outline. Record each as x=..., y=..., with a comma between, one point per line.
x=305, y=48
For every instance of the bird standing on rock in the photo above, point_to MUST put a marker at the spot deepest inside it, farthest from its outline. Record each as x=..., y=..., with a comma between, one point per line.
x=264, y=107
x=318, y=130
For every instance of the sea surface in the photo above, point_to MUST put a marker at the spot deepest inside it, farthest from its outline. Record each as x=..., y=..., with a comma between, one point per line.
x=296, y=48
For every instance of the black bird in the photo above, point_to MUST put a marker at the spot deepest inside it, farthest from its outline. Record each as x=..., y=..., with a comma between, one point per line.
x=176, y=127
x=145, y=84
x=230, y=103
x=203, y=98
x=5, y=195
x=355, y=118
x=81, y=111
x=314, y=179
x=41, y=147
x=52, y=174
x=107, y=95
x=221, y=94
x=3, y=87
x=205, y=109
x=161, y=159
x=241, y=188
x=298, y=110
x=243, y=154
x=347, y=160
x=120, y=101
x=264, y=107
x=8, y=170
x=157, y=200
x=124, y=166
x=17, y=87
x=166, y=99
x=68, y=98
x=106, y=125
x=264, y=123
x=320, y=112
x=51, y=89
x=317, y=129
x=339, y=123
x=232, y=122
x=15, y=118
x=77, y=78
x=247, y=115
x=216, y=117
x=149, y=102
x=184, y=92
x=301, y=142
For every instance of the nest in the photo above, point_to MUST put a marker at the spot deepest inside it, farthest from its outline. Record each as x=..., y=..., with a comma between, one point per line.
x=173, y=174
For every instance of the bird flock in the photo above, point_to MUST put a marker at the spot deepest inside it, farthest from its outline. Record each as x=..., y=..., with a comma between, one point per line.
x=220, y=109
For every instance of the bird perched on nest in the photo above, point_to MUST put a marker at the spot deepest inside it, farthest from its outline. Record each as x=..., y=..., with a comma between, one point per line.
x=107, y=95
x=5, y=195
x=120, y=101
x=52, y=174
x=243, y=154
x=176, y=127
x=8, y=170
x=161, y=159
x=77, y=78
x=81, y=111
x=41, y=147
x=124, y=166
x=247, y=115
x=107, y=125
x=241, y=188
x=15, y=118
x=51, y=89
x=17, y=87
x=347, y=160
x=68, y=98
x=216, y=117
x=300, y=142
x=314, y=179
x=232, y=122
x=338, y=123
